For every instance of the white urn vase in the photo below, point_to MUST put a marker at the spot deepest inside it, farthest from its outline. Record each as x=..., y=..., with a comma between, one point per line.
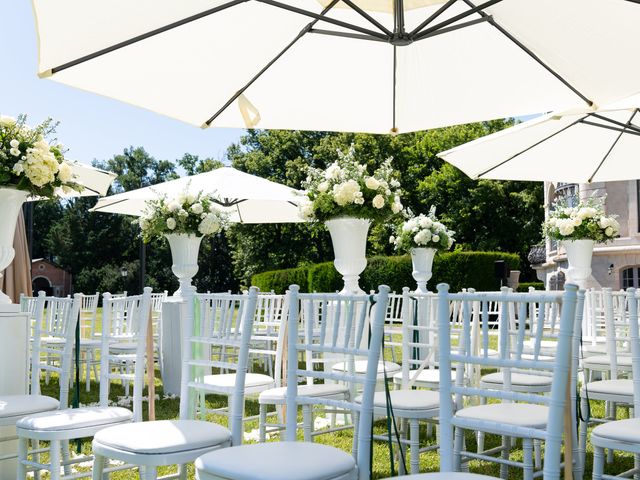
x=10, y=202
x=422, y=261
x=349, y=238
x=184, y=252
x=579, y=253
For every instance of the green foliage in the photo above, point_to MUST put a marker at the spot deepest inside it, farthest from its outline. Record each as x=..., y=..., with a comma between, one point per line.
x=459, y=269
x=524, y=287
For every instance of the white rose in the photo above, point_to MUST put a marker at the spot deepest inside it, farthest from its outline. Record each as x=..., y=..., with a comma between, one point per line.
x=191, y=198
x=181, y=198
x=394, y=183
x=7, y=121
x=197, y=208
x=18, y=168
x=359, y=201
x=392, y=239
x=577, y=221
x=323, y=187
x=396, y=207
x=608, y=232
x=378, y=201
x=406, y=227
x=65, y=172
x=14, y=143
x=372, y=183
x=332, y=172
x=183, y=213
x=171, y=223
x=423, y=222
x=173, y=205
x=450, y=242
x=435, y=238
x=15, y=152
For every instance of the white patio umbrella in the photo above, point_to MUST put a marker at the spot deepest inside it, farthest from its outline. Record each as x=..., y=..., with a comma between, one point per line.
x=579, y=145
x=247, y=198
x=343, y=65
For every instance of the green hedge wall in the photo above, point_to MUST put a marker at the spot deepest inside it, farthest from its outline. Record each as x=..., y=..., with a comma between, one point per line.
x=458, y=269
x=524, y=287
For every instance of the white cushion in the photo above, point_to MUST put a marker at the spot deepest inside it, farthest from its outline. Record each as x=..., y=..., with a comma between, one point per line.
x=621, y=430
x=90, y=342
x=72, y=418
x=18, y=406
x=228, y=380
x=447, y=476
x=518, y=379
x=520, y=414
x=123, y=346
x=278, y=395
x=407, y=399
x=163, y=436
x=426, y=376
x=598, y=348
x=605, y=360
x=360, y=367
x=276, y=461
x=613, y=387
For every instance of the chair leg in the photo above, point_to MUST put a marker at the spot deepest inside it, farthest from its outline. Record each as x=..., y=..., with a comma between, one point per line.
x=307, y=422
x=98, y=467
x=182, y=472
x=582, y=442
x=87, y=370
x=35, y=445
x=262, y=426
x=480, y=435
x=149, y=473
x=537, y=454
x=504, y=454
x=457, y=448
x=66, y=456
x=54, y=459
x=598, y=463
x=527, y=450
x=414, y=438
x=23, y=446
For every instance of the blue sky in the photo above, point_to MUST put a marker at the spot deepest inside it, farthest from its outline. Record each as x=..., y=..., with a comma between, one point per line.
x=90, y=126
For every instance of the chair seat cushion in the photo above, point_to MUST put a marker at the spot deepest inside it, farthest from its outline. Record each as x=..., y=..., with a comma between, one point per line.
x=597, y=349
x=276, y=461
x=520, y=414
x=613, y=387
x=360, y=367
x=18, y=406
x=163, y=436
x=448, y=476
x=72, y=418
x=228, y=380
x=90, y=342
x=428, y=376
x=279, y=395
x=123, y=346
x=517, y=379
x=621, y=430
x=407, y=400
x=623, y=361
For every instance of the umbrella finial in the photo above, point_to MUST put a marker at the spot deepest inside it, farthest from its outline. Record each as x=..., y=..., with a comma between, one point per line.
x=394, y=131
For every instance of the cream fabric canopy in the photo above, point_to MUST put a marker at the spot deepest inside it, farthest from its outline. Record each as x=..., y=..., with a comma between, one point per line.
x=580, y=145
x=293, y=64
x=247, y=198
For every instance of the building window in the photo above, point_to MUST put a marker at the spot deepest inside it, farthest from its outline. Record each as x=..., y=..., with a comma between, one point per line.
x=630, y=277
x=568, y=193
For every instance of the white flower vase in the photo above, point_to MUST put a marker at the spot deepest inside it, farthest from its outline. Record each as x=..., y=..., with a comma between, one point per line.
x=10, y=202
x=184, y=251
x=579, y=253
x=349, y=238
x=422, y=261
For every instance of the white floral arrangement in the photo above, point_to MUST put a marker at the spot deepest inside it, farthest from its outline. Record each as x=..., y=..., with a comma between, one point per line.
x=586, y=221
x=186, y=213
x=28, y=162
x=346, y=189
x=422, y=231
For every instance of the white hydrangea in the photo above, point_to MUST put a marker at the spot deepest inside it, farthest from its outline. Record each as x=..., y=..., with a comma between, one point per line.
x=306, y=211
x=65, y=172
x=173, y=205
x=197, y=208
x=345, y=193
x=323, y=187
x=6, y=121
x=191, y=198
x=333, y=172
x=210, y=225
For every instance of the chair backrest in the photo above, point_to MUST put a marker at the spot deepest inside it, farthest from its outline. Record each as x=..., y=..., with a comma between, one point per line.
x=112, y=359
x=343, y=332
x=632, y=301
x=121, y=325
x=509, y=359
x=419, y=335
x=88, y=315
x=64, y=313
x=216, y=336
x=269, y=328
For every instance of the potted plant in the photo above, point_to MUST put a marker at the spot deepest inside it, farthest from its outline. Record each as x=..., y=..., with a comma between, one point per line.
x=347, y=198
x=183, y=221
x=422, y=236
x=29, y=166
x=578, y=229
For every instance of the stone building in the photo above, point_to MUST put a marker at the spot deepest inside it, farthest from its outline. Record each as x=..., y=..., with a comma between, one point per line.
x=615, y=265
x=51, y=278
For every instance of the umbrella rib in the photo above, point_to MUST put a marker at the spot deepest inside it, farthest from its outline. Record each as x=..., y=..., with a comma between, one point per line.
x=616, y=122
x=235, y=96
x=357, y=36
x=532, y=146
x=609, y=127
x=141, y=37
x=615, y=142
x=432, y=17
x=368, y=17
x=455, y=18
x=454, y=27
x=533, y=56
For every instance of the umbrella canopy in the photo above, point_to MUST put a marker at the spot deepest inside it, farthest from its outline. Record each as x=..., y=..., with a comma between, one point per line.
x=247, y=198
x=579, y=145
x=343, y=65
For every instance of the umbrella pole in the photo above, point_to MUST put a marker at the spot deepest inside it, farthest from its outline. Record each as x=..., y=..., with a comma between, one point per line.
x=151, y=378
x=76, y=393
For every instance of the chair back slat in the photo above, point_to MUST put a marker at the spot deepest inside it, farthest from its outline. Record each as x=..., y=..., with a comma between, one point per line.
x=88, y=315
x=334, y=328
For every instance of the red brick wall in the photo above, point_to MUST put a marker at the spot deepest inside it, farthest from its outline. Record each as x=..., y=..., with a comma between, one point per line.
x=59, y=279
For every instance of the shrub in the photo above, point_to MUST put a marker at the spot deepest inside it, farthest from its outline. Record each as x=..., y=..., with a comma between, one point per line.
x=524, y=287
x=459, y=269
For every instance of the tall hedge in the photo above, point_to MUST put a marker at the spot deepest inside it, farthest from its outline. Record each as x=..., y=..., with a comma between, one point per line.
x=458, y=269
